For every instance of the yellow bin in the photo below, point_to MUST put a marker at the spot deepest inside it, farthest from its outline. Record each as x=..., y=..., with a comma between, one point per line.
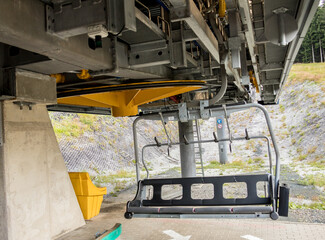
x=89, y=196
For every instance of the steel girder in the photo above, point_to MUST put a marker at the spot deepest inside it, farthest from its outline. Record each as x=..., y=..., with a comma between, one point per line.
x=22, y=24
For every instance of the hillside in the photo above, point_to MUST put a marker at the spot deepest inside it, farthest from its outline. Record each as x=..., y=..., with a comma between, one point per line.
x=103, y=145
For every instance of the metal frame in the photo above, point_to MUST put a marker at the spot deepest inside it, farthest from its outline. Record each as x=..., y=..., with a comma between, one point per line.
x=195, y=114
x=215, y=140
x=214, y=112
x=30, y=34
x=44, y=33
x=192, y=16
x=217, y=200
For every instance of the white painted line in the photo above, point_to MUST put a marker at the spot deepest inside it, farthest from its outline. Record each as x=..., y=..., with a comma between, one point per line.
x=176, y=236
x=250, y=237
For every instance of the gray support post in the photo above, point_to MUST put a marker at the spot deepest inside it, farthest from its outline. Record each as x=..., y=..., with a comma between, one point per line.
x=221, y=133
x=188, y=167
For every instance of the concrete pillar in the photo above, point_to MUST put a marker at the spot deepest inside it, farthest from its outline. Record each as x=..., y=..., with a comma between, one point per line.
x=221, y=133
x=37, y=200
x=188, y=167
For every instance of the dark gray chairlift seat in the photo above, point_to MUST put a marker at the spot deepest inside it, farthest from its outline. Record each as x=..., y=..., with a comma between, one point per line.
x=274, y=203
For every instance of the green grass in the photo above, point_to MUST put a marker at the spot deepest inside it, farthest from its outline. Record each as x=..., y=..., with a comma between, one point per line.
x=178, y=169
x=315, y=205
x=74, y=125
x=237, y=164
x=311, y=150
x=313, y=72
x=318, y=164
x=256, y=160
x=281, y=108
x=112, y=178
x=317, y=179
x=302, y=157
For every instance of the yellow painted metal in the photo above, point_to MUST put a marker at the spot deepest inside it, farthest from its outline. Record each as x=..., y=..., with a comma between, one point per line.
x=84, y=74
x=60, y=78
x=82, y=101
x=254, y=81
x=89, y=196
x=126, y=102
x=222, y=8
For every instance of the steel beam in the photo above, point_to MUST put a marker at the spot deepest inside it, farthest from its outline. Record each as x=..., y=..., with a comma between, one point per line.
x=249, y=34
x=194, y=19
x=177, y=3
x=22, y=24
x=307, y=10
x=178, y=47
x=268, y=82
x=149, y=54
x=271, y=67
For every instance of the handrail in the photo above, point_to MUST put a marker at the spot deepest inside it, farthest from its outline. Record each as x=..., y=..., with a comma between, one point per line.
x=209, y=141
x=166, y=22
x=149, y=13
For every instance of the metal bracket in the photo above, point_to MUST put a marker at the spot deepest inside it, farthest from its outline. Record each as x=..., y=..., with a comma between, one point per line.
x=157, y=142
x=21, y=104
x=204, y=113
x=149, y=54
x=246, y=134
x=229, y=132
x=49, y=12
x=68, y=20
x=182, y=111
x=215, y=137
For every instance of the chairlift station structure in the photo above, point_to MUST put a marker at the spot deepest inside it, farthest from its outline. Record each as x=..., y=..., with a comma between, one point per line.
x=130, y=57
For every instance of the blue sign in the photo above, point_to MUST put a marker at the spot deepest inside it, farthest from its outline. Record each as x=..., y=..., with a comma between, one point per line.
x=219, y=121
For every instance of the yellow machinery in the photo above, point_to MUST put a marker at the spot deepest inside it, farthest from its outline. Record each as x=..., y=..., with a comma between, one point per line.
x=89, y=196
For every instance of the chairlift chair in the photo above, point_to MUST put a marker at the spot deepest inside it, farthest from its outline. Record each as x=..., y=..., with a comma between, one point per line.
x=273, y=204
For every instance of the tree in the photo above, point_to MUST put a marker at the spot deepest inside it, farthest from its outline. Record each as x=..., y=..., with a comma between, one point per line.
x=314, y=39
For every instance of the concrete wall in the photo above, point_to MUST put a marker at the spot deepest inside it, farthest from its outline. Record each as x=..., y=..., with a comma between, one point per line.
x=3, y=200
x=40, y=199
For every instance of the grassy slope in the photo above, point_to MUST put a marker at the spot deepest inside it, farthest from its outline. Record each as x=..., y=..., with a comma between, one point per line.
x=303, y=102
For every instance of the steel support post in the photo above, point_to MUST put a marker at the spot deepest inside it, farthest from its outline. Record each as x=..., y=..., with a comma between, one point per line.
x=221, y=133
x=188, y=167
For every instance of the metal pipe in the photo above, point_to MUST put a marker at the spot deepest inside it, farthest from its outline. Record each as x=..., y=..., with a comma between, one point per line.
x=275, y=146
x=136, y=151
x=223, y=89
x=188, y=165
x=209, y=141
x=166, y=22
x=153, y=116
x=149, y=13
x=282, y=36
x=223, y=158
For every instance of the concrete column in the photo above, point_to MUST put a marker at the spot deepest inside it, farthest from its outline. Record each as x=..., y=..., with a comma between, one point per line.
x=37, y=200
x=221, y=133
x=188, y=166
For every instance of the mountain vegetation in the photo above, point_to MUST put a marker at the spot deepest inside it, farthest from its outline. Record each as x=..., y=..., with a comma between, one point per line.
x=312, y=48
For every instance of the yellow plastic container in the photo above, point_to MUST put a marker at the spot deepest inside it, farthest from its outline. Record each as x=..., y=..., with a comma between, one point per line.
x=89, y=196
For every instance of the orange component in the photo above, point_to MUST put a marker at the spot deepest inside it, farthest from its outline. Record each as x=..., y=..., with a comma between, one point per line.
x=84, y=74
x=222, y=8
x=60, y=78
x=254, y=81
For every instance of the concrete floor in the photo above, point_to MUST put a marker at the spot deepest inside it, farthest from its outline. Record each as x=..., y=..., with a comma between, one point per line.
x=192, y=229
